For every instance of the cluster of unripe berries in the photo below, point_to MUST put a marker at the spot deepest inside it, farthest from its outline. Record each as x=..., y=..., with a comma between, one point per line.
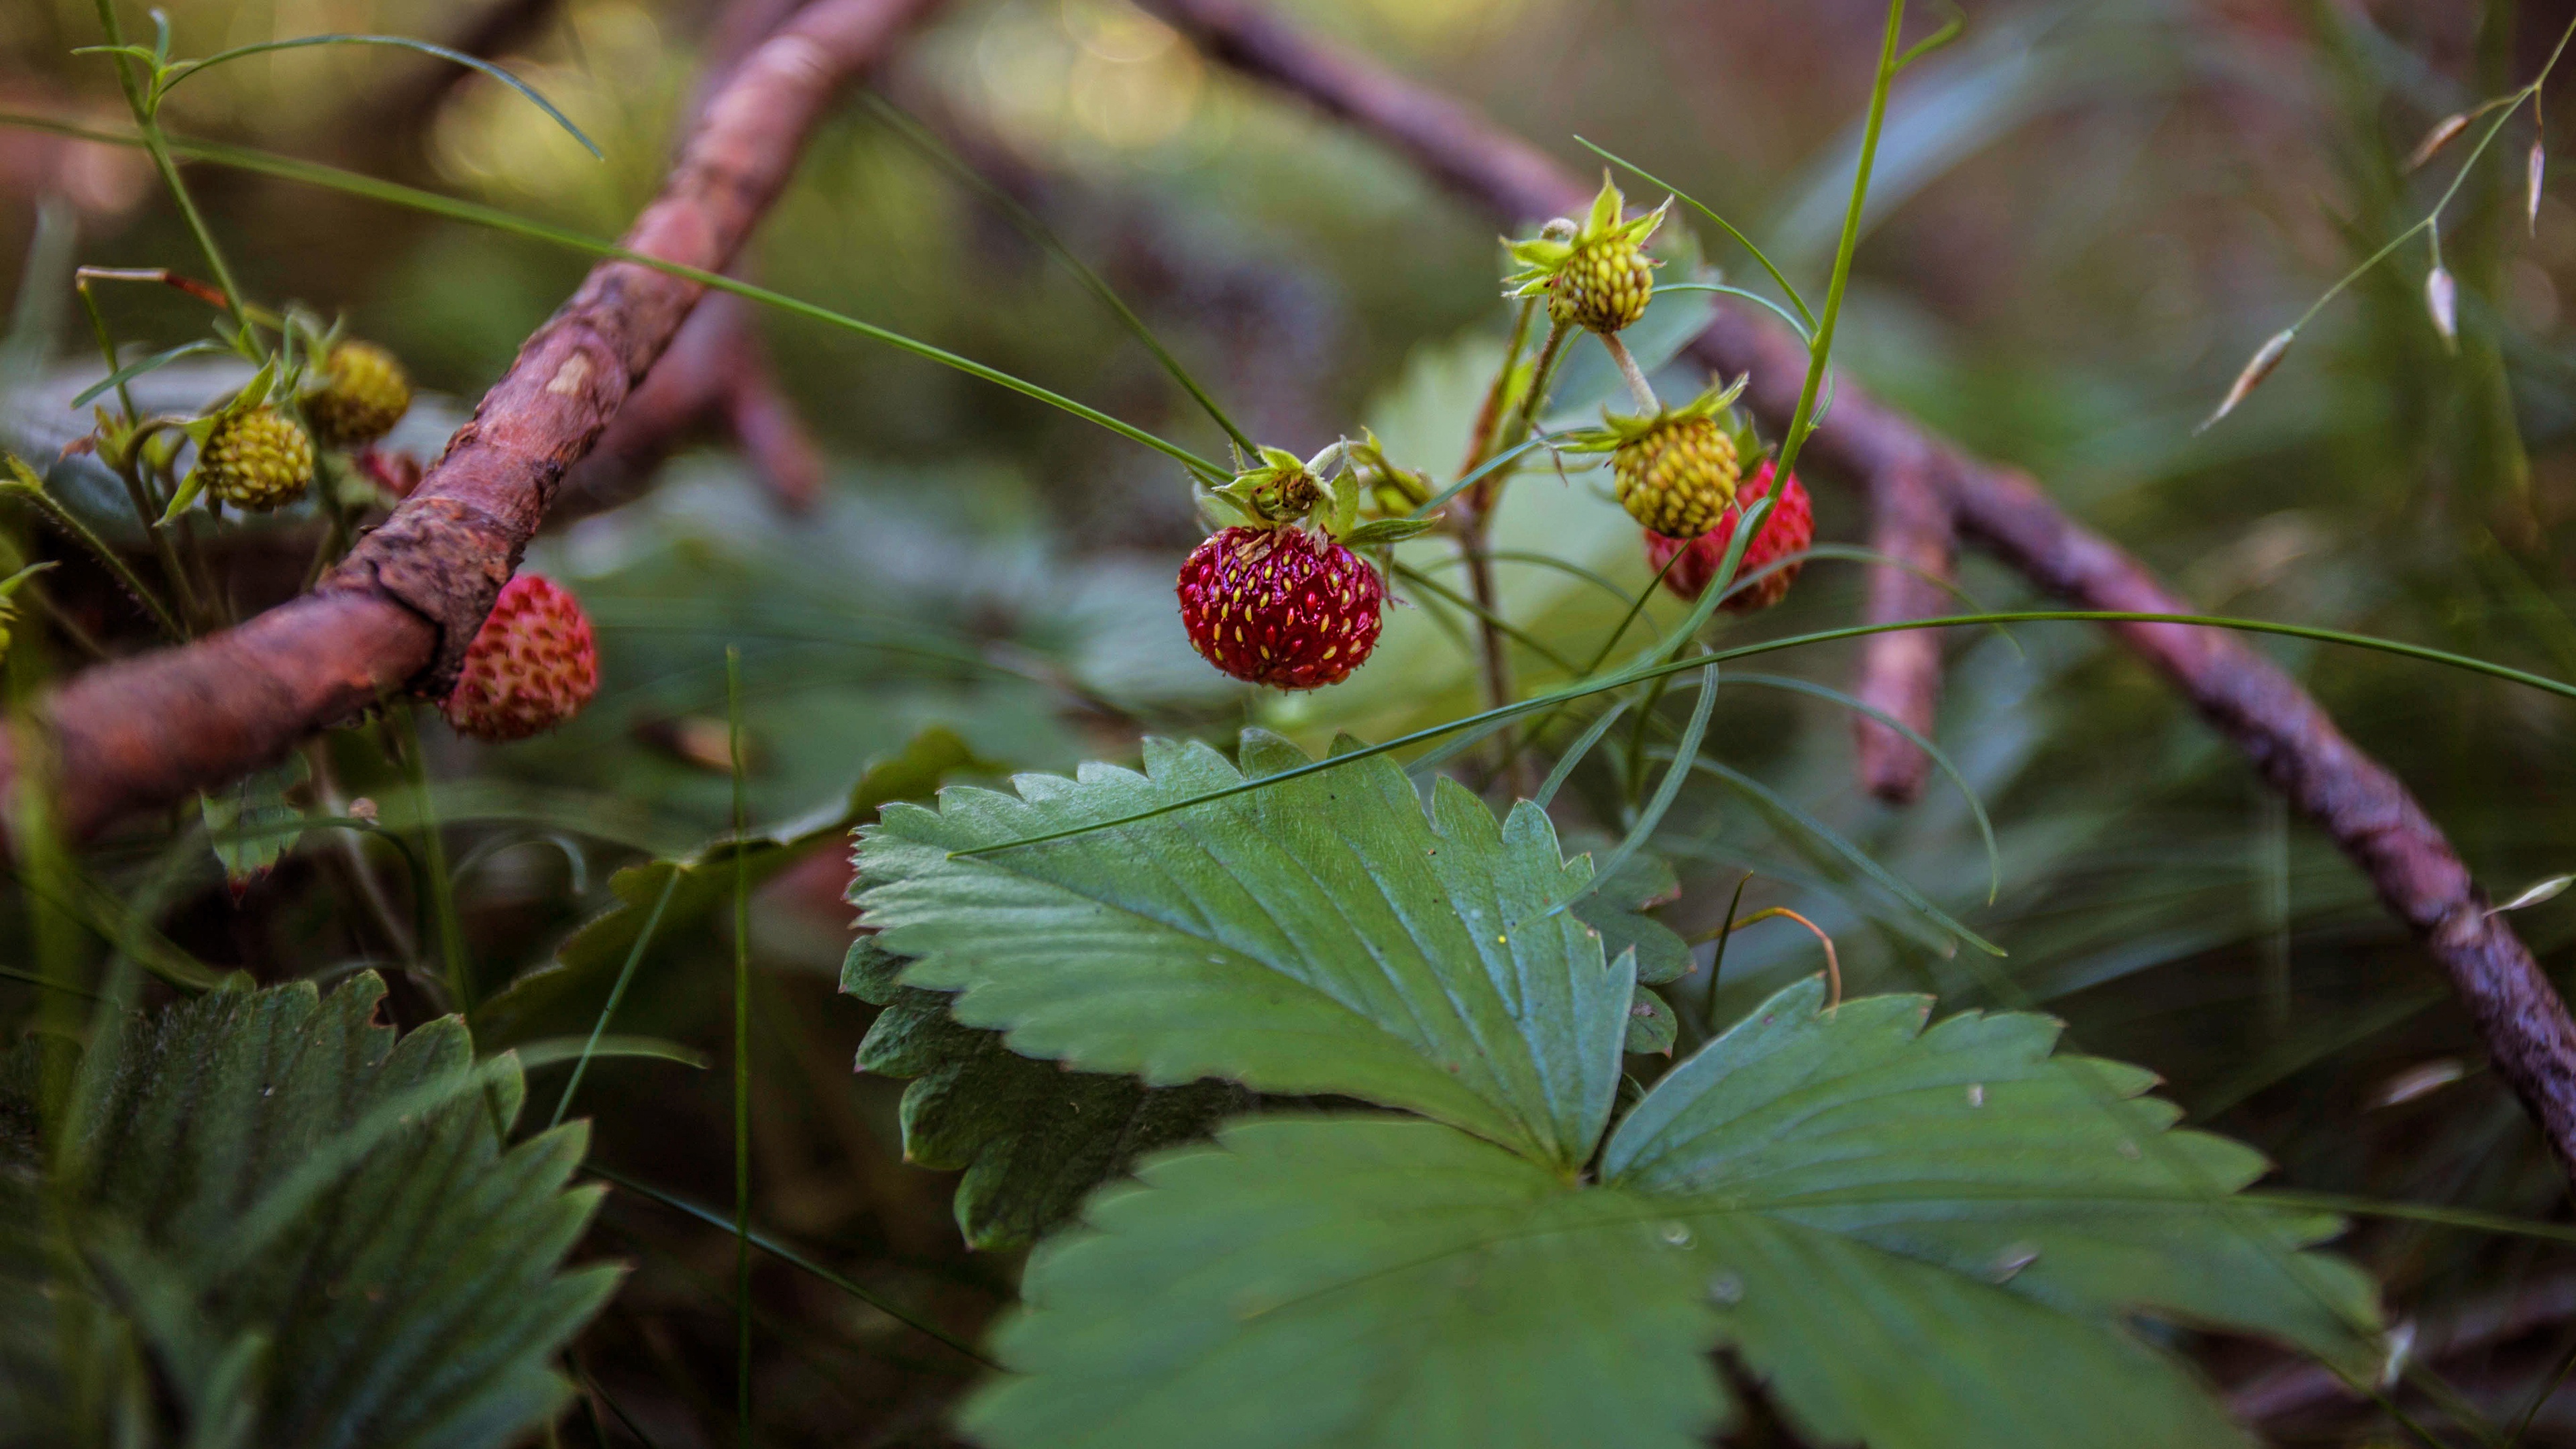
x=258, y=457
x=534, y=663
x=1274, y=601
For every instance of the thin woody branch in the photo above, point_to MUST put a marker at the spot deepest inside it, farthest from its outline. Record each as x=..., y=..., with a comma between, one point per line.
x=1900, y=672
x=2291, y=741
x=398, y=612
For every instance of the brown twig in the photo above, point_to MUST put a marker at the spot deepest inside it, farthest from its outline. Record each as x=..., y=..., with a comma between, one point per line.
x=400, y=609
x=1900, y=672
x=2296, y=747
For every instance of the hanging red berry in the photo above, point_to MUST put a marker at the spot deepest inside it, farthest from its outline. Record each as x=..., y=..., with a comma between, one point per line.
x=1280, y=606
x=1791, y=529
x=533, y=665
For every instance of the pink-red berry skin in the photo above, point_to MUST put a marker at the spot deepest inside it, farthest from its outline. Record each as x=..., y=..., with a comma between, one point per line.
x=1280, y=606
x=533, y=665
x=1791, y=529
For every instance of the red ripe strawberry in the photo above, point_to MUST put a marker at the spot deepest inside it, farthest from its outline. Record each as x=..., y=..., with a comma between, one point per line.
x=1280, y=606
x=532, y=666
x=1791, y=529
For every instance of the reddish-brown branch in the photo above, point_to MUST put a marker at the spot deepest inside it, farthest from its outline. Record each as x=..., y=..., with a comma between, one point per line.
x=1900, y=673
x=2519, y=1016
x=399, y=611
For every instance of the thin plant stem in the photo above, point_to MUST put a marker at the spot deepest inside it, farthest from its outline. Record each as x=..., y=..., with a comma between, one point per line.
x=919, y=136
x=2548, y=1390
x=1489, y=416
x=617, y=992
x=2504, y=108
x=106, y=347
x=1717, y=960
x=433, y=854
x=147, y=120
x=394, y=194
x=1557, y=698
x=1638, y=387
x=70, y=523
x=1821, y=351
x=741, y=1052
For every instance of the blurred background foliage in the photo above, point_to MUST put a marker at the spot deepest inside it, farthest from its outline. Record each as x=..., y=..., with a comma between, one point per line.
x=2088, y=215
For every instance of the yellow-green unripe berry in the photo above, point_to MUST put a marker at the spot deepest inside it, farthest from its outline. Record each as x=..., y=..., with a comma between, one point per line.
x=1604, y=286
x=1678, y=478
x=258, y=459
x=367, y=394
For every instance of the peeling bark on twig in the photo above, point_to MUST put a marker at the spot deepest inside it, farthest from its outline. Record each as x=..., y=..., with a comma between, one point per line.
x=2291, y=741
x=399, y=611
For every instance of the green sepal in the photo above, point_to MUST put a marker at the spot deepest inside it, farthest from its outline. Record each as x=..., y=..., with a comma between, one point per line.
x=189, y=488
x=9, y=585
x=1346, y=505
x=1543, y=256
x=1386, y=530
x=1620, y=430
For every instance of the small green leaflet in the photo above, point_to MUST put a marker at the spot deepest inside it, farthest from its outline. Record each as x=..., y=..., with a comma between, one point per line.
x=1319, y=936
x=1919, y=1239
x=251, y=824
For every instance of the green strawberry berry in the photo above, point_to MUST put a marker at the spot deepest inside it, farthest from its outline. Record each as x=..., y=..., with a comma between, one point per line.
x=258, y=459
x=1596, y=275
x=364, y=394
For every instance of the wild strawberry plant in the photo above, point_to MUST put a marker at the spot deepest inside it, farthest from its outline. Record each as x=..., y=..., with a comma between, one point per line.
x=1334, y=1094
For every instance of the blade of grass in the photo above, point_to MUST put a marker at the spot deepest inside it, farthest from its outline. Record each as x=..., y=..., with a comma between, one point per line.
x=351, y=183
x=741, y=1052
x=1746, y=242
x=1644, y=672
x=616, y=994
x=1860, y=859
x=433, y=858
x=792, y=1258
x=1574, y=754
x=1939, y=758
x=170, y=79
x=907, y=126
x=1666, y=791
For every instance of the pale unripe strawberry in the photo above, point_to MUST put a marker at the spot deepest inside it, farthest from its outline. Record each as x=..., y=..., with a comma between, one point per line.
x=1595, y=274
x=1791, y=529
x=257, y=459
x=532, y=666
x=365, y=394
x=1604, y=286
x=1280, y=606
x=1677, y=476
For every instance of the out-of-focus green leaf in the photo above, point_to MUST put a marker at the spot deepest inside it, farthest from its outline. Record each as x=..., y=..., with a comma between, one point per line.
x=589, y=961
x=306, y=1232
x=1918, y=1239
x=1318, y=936
x=247, y=822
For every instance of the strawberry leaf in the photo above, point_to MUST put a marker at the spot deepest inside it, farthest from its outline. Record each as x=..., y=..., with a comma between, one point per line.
x=1031, y=1138
x=1319, y=936
x=299, y=1229
x=1919, y=1239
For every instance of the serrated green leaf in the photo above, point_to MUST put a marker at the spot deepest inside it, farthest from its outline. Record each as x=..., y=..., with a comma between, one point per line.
x=589, y=961
x=1906, y=1263
x=1032, y=1139
x=414, y=1295
x=1320, y=936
